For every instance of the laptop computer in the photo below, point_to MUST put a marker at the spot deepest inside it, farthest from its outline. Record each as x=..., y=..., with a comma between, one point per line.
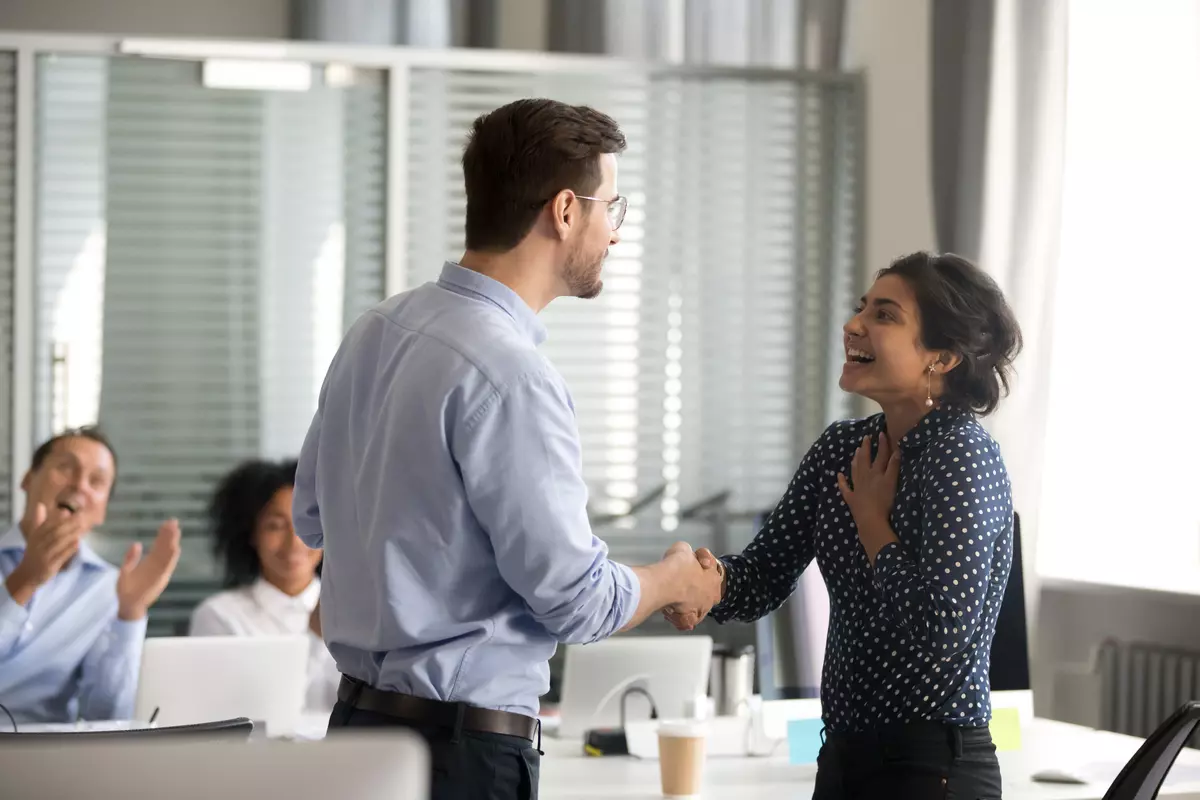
x=191, y=679
x=673, y=670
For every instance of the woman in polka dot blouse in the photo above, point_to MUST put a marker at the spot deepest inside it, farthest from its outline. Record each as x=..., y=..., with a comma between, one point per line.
x=909, y=516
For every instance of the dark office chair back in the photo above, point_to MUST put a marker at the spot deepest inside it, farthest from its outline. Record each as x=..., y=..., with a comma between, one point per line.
x=225, y=729
x=1010, y=649
x=1142, y=777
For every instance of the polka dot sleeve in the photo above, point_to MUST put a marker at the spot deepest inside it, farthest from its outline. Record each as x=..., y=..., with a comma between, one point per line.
x=766, y=573
x=940, y=590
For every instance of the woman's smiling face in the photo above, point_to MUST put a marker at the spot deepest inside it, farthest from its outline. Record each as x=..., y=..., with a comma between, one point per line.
x=885, y=358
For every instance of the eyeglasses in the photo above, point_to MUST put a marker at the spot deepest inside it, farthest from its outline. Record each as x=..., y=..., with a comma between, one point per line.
x=616, y=208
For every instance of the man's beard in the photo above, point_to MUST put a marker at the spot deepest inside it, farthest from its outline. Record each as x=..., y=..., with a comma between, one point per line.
x=582, y=276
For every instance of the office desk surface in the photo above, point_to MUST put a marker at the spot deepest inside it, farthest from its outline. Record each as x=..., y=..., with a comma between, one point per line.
x=1097, y=756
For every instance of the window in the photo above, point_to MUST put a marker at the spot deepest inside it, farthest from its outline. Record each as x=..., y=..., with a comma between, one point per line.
x=1121, y=469
x=705, y=365
x=7, y=214
x=200, y=253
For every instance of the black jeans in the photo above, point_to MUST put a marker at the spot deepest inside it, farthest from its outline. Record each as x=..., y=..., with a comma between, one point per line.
x=917, y=761
x=471, y=766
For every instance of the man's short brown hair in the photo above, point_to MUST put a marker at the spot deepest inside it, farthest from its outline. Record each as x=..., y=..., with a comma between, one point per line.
x=89, y=432
x=520, y=156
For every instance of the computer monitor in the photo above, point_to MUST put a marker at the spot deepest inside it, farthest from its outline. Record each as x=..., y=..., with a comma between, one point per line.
x=385, y=765
x=192, y=679
x=673, y=670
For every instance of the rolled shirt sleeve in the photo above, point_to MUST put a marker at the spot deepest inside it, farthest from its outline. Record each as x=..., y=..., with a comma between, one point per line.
x=13, y=617
x=521, y=463
x=109, y=673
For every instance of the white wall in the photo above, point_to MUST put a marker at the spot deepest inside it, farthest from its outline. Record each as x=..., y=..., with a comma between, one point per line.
x=1073, y=621
x=889, y=39
x=248, y=19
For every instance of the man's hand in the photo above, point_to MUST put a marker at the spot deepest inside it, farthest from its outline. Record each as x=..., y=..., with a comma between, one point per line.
x=52, y=543
x=142, y=580
x=703, y=589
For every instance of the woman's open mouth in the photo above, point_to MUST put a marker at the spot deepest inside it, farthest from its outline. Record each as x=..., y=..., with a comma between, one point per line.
x=856, y=356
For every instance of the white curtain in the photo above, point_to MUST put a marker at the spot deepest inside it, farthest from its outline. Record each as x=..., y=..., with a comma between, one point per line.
x=1022, y=205
x=999, y=88
x=1124, y=377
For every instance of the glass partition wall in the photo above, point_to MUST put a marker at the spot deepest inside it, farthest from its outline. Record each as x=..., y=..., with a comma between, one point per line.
x=199, y=253
x=198, y=231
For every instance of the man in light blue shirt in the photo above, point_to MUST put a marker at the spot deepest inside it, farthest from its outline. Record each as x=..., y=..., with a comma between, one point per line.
x=442, y=473
x=71, y=624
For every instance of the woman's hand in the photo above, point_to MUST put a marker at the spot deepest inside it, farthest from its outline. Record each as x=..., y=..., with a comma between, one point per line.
x=874, y=493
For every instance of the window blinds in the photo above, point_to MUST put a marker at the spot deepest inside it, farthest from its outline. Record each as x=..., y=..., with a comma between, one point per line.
x=199, y=253
x=7, y=213
x=230, y=236
x=705, y=366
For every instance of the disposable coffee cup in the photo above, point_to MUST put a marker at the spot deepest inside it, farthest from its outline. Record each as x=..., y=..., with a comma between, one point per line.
x=681, y=758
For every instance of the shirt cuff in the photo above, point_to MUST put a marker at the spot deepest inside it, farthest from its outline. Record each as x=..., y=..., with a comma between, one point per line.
x=627, y=594
x=126, y=633
x=724, y=610
x=13, y=615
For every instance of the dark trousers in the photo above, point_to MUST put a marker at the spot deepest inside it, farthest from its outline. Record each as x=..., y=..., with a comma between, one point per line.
x=917, y=761
x=469, y=766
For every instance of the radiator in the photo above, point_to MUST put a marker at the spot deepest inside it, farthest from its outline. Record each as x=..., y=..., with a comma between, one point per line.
x=1143, y=684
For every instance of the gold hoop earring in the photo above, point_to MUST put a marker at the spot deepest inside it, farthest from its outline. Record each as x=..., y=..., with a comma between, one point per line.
x=929, y=387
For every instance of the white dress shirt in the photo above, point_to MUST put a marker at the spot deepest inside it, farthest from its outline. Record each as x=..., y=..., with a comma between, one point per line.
x=260, y=609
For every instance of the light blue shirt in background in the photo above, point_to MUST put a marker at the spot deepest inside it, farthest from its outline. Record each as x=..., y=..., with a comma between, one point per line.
x=65, y=656
x=443, y=476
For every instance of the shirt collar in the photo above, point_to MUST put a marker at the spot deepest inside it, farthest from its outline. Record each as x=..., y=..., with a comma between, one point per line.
x=930, y=427
x=14, y=540
x=271, y=598
x=468, y=282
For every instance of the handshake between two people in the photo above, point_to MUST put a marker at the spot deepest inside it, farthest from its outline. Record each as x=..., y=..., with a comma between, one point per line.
x=698, y=583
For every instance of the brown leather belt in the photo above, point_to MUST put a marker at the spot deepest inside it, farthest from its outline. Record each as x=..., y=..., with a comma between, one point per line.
x=420, y=710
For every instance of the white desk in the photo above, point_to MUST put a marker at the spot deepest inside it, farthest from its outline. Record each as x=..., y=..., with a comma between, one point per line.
x=1095, y=755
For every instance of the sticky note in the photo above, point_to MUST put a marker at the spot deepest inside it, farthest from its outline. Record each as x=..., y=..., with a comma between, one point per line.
x=1006, y=728
x=804, y=740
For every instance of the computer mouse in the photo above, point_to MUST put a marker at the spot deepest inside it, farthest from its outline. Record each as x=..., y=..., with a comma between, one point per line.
x=1057, y=776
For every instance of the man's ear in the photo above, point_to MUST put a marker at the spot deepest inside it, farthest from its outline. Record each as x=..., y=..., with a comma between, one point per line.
x=563, y=209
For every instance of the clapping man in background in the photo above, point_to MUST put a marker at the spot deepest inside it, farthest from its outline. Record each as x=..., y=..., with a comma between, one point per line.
x=71, y=624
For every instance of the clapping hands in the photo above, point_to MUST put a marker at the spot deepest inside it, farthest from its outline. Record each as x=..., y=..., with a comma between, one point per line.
x=142, y=580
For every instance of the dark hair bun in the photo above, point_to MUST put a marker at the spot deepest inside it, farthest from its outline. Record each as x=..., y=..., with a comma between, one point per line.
x=963, y=311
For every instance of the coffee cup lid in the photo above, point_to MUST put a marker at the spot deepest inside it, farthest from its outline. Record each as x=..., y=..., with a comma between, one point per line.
x=683, y=728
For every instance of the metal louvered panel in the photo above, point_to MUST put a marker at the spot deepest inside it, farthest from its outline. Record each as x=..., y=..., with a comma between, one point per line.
x=706, y=364
x=71, y=184
x=595, y=344
x=223, y=272
x=364, y=137
x=179, y=158
x=7, y=213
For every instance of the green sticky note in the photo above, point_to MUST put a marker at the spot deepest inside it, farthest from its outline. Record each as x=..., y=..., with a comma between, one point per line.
x=1006, y=728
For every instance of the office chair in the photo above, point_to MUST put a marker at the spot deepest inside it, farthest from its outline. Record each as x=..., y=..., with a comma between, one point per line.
x=1009, y=669
x=224, y=730
x=1141, y=778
